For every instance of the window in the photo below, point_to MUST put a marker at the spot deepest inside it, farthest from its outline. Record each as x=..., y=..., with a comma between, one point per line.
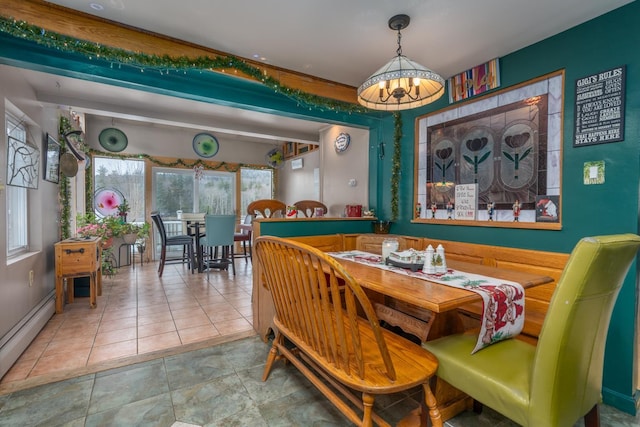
x=255, y=184
x=126, y=177
x=17, y=199
x=180, y=190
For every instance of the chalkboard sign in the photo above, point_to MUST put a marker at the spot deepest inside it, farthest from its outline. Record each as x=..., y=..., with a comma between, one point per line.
x=599, y=111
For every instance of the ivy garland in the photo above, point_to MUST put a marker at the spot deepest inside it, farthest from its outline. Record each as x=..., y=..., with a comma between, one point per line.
x=395, y=166
x=229, y=167
x=166, y=64
x=64, y=197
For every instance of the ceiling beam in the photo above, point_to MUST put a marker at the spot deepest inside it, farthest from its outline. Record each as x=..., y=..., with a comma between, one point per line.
x=90, y=28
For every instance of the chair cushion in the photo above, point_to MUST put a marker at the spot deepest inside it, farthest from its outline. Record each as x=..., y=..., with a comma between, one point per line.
x=507, y=365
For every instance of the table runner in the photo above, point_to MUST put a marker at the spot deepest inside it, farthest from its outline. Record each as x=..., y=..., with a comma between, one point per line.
x=502, y=300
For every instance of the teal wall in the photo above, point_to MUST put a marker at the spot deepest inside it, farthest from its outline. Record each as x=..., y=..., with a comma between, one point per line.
x=602, y=43
x=595, y=46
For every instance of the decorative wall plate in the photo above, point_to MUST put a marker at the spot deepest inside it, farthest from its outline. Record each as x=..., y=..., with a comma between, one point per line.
x=112, y=139
x=342, y=142
x=107, y=200
x=205, y=145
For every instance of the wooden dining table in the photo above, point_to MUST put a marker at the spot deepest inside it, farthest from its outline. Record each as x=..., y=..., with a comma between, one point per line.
x=428, y=310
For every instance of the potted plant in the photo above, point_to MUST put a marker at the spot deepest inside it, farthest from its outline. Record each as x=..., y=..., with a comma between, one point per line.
x=130, y=232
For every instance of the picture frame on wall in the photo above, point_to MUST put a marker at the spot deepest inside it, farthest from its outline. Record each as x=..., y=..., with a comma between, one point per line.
x=52, y=160
x=23, y=164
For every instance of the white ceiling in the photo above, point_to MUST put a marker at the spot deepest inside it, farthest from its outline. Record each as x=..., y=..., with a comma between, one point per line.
x=338, y=40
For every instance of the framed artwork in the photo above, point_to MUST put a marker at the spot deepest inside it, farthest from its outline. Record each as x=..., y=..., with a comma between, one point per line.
x=52, y=160
x=507, y=143
x=23, y=163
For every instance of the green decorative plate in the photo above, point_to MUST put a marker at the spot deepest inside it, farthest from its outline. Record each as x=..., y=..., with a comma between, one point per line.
x=205, y=145
x=112, y=139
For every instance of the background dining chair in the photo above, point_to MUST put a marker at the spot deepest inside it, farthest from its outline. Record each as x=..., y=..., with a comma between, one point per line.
x=243, y=235
x=308, y=207
x=559, y=380
x=181, y=240
x=318, y=306
x=219, y=231
x=267, y=208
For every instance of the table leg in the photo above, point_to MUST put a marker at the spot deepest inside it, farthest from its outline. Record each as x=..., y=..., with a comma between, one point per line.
x=70, y=290
x=93, y=289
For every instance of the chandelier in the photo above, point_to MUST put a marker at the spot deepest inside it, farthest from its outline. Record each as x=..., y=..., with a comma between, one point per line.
x=401, y=83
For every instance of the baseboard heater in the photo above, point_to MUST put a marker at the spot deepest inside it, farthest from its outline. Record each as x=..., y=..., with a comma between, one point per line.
x=16, y=341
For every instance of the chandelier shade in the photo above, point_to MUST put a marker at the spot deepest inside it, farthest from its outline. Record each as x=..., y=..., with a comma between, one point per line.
x=400, y=84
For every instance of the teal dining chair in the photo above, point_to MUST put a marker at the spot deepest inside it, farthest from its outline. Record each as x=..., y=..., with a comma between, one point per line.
x=558, y=380
x=219, y=231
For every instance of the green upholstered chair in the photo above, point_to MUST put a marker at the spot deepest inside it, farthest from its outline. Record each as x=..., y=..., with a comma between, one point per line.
x=558, y=381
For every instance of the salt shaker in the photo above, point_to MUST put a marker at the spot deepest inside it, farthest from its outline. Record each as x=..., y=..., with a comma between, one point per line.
x=428, y=267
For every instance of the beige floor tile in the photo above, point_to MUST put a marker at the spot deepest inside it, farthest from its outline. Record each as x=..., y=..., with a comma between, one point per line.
x=70, y=345
x=162, y=316
x=198, y=333
x=187, y=312
x=158, y=342
x=118, y=335
x=61, y=362
x=19, y=371
x=191, y=321
x=113, y=325
x=155, y=328
x=227, y=327
x=112, y=351
x=224, y=314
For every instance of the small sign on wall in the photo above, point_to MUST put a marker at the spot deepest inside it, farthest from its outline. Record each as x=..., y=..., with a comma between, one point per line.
x=599, y=108
x=297, y=164
x=466, y=202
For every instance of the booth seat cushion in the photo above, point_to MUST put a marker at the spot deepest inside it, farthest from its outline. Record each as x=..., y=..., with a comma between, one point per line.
x=510, y=384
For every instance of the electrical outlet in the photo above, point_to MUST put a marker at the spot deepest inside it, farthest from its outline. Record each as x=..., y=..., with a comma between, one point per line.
x=30, y=278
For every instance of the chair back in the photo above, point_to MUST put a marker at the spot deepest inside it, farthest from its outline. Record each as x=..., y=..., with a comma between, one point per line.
x=308, y=207
x=317, y=304
x=267, y=208
x=568, y=365
x=188, y=218
x=157, y=220
x=219, y=230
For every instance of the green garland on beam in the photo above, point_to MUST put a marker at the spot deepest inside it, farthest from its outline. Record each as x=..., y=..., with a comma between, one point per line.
x=229, y=167
x=395, y=166
x=166, y=64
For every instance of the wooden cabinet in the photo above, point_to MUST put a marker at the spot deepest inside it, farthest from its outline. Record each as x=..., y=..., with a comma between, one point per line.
x=294, y=149
x=78, y=257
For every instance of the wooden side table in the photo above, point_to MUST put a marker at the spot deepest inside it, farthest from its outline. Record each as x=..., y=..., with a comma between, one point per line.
x=78, y=257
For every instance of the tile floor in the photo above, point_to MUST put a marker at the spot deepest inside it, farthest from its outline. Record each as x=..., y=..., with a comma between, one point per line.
x=139, y=313
x=147, y=363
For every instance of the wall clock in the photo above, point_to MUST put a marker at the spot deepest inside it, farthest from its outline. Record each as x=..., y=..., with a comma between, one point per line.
x=342, y=142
